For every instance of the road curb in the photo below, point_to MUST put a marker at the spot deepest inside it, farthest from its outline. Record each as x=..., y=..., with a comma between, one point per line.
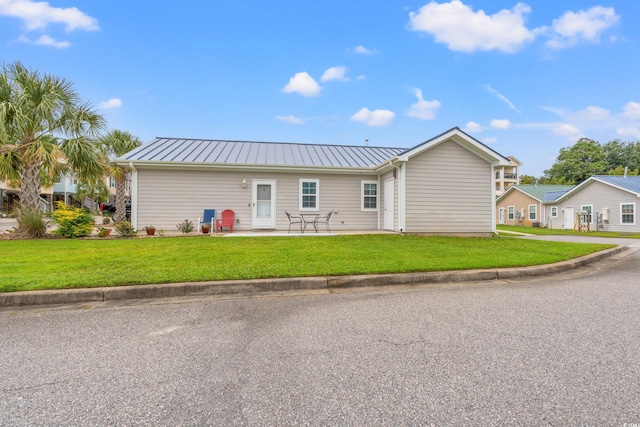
x=74, y=296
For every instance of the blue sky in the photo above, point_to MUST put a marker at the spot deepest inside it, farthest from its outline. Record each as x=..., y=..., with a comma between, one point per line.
x=524, y=78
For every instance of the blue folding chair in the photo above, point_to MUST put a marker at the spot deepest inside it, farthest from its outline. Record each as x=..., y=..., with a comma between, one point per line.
x=207, y=219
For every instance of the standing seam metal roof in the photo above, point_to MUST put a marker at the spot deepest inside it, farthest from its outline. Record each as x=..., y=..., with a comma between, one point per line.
x=543, y=193
x=260, y=153
x=630, y=183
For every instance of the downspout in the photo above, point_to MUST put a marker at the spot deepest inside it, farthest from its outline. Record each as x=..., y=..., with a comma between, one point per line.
x=379, y=198
x=134, y=196
x=402, y=197
x=493, y=180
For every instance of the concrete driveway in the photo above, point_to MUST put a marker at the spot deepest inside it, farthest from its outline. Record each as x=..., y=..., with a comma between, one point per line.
x=634, y=243
x=7, y=224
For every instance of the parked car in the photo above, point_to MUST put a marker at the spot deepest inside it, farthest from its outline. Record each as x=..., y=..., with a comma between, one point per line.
x=111, y=209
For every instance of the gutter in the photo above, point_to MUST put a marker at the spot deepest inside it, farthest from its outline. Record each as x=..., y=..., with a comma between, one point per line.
x=134, y=196
x=246, y=167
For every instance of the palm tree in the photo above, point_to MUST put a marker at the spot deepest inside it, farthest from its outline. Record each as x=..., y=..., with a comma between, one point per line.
x=45, y=131
x=95, y=191
x=115, y=144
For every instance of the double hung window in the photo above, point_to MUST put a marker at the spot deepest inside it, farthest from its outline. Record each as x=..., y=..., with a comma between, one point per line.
x=309, y=194
x=628, y=213
x=369, y=196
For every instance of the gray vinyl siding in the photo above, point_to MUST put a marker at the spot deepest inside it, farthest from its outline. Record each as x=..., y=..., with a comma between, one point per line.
x=449, y=190
x=167, y=197
x=600, y=196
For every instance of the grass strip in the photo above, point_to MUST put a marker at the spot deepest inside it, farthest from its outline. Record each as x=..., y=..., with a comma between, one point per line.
x=549, y=231
x=80, y=263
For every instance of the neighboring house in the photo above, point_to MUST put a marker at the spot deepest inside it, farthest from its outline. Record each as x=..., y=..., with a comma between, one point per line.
x=366, y=188
x=527, y=204
x=507, y=176
x=64, y=189
x=602, y=202
x=10, y=198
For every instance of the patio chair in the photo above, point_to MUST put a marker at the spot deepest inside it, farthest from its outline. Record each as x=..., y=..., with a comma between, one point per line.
x=325, y=219
x=294, y=220
x=206, y=219
x=226, y=221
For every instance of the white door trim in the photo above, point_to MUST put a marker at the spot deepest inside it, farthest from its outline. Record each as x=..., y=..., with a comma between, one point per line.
x=389, y=196
x=500, y=215
x=569, y=220
x=265, y=222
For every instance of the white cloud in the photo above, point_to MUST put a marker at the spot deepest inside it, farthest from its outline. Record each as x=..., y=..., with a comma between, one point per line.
x=304, y=84
x=570, y=131
x=423, y=110
x=335, y=73
x=503, y=124
x=588, y=25
x=45, y=40
x=589, y=114
x=473, y=127
x=557, y=111
x=490, y=140
x=37, y=15
x=374, y=118
x=461, y=29
x=361, y=50
x=632, y=111
x=501, y=97
x=361, y=77
x=111, y=103
x=290, y=119
x=633, y=132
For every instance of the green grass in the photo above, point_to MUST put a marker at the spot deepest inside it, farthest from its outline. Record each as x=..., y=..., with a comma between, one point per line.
x=73, y=263
x=548, y=231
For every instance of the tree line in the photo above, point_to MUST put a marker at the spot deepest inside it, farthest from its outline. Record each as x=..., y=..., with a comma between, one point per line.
x=47, y=131
x=587, y=158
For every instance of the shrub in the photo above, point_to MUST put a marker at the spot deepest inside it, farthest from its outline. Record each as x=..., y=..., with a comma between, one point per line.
x=106, y=220
x=72, y=222
x=103, y=232
x=32, y=223
x=186, y=227
x=125, y=229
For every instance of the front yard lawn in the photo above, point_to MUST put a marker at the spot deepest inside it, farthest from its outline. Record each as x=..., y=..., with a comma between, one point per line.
x=77, y=263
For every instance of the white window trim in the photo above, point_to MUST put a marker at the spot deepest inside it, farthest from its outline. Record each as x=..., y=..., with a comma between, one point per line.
x=552, y=209
x=587, y=206
x=535, y=212
x=509, y=213
x=635, y=213
x=362, y=195
x=317, y=208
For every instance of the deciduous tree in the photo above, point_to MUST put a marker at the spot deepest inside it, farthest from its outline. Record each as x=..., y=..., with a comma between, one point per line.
x=578, y=162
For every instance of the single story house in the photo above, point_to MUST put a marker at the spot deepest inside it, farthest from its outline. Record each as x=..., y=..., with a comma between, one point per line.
x=525, y=204
x=445, y=185
x=602, y=203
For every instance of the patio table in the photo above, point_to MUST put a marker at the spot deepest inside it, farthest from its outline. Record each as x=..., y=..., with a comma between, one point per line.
x=312, y=219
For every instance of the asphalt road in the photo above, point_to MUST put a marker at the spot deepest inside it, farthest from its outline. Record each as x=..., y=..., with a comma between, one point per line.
x=559, y=351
